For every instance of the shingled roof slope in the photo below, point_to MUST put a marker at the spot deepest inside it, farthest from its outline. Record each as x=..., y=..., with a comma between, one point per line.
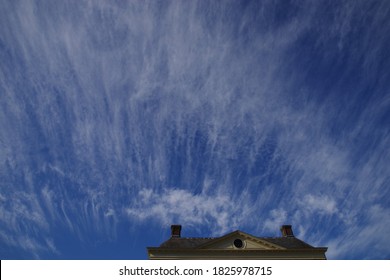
x=182, y=242
x=194, y=242
x=287, y=242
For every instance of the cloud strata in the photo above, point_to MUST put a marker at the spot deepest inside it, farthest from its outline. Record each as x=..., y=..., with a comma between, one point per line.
x=202, y=113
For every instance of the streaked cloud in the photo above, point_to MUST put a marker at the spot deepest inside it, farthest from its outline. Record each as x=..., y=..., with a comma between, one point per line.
x=321, y=204
x=219, y=212
x=211, y=114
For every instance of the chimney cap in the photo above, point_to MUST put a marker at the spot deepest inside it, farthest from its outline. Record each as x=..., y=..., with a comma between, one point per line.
x=286, y=231
x=175, y=230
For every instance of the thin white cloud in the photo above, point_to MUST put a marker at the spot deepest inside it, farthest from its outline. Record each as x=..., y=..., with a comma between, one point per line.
x=101, y=100
x=277, y=217
x=367, y=239
x=220, y=212
x=319, y=204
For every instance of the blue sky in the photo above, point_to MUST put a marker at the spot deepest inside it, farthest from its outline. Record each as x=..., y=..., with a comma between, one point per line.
x=120, y=118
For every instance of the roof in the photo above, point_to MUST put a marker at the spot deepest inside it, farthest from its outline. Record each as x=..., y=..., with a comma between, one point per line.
x=185, y=242
x=225, y=247
x=289, y=242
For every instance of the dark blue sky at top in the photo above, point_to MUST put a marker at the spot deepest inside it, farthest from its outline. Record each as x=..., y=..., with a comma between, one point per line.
x=120, y=118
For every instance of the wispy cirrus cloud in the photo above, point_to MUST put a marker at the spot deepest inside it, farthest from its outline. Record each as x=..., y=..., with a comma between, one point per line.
x=202, y=113
x=182, y=206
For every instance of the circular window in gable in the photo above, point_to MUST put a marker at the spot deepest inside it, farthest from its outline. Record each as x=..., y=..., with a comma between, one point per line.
x=238, y=243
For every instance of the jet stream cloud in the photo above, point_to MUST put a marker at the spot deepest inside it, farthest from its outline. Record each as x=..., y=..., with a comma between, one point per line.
x=122, y=117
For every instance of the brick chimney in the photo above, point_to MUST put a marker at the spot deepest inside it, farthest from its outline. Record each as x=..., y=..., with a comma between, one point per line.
x=287, y=231
x=175, y=230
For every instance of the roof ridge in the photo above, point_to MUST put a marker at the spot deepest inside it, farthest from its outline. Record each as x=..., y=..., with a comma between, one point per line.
x=199, y=237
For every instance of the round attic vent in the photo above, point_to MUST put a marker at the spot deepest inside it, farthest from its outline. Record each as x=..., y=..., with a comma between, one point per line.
x=238, y=243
